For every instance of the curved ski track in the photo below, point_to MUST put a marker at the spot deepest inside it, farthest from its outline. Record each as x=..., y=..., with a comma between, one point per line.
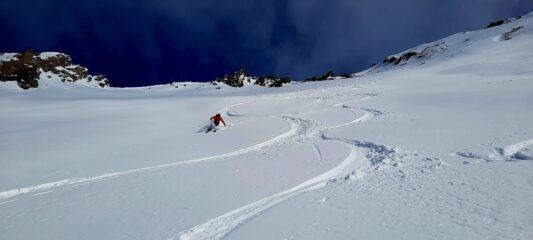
x=363, y=155
x=219, y=227
x=293, y=130
x=296, y=126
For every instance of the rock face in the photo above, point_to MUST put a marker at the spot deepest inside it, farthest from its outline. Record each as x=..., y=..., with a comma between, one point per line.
x=26, y=68
x=241, y=78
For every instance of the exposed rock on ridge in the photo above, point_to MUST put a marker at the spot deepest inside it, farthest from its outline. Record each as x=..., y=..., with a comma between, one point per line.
x=327, y=76
x=241, y=78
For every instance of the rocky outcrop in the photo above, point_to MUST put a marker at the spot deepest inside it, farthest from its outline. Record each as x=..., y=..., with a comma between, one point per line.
x=427, y=52
x=501, y=22
x=241, y=78
x=236, y=79
x=402, y=58
x=508, y=35
x=26, y=68
x=272, y=81
x=327, y=76
x=495, y=23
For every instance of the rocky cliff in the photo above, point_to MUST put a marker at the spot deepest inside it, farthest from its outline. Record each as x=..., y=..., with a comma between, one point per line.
x=28, y=67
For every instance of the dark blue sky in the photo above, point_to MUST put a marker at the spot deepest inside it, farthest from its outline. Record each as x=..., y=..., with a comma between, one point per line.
x=136, y=42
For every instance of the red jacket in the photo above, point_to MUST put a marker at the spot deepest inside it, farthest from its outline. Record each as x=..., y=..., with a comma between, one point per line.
x=217, y=119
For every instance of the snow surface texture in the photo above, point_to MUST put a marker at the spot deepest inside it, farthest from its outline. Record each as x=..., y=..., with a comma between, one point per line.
x=438, y=147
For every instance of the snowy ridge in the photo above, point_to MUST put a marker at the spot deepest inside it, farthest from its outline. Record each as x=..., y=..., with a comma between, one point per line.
x=459, y=44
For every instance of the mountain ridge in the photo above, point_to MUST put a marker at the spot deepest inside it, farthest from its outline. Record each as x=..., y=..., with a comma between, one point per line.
x=27, y=67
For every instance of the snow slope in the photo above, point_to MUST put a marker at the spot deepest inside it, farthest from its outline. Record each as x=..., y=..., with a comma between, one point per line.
x=438, y=147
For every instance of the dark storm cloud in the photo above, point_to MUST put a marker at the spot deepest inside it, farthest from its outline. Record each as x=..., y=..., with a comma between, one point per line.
x=147, y=42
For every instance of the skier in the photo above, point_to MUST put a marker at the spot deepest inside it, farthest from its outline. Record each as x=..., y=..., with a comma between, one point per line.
x=215, y=121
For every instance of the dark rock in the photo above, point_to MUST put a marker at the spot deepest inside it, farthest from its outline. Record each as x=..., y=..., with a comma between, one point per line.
x=21, y=70
x=501, y=22
x=240, y=77
x=508, y=35
x=272, y=81
x=405, y=57
x=495, y=23
x=345, y=75
x=390, y=59
x=328, y=76
x=397, y=60
x=261, y=81
x=235, y=79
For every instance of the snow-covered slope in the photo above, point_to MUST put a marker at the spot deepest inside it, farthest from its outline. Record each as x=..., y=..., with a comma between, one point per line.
x=437, y=147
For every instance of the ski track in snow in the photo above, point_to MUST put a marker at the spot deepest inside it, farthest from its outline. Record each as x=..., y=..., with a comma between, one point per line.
x=318, y=153
x=228, y=111
x=221, y=226
x=361, y=114
x=508, y=153
x=76, y=181
x=362, y=157
x=295, y=130
x=86, y=180
x=367, y=115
